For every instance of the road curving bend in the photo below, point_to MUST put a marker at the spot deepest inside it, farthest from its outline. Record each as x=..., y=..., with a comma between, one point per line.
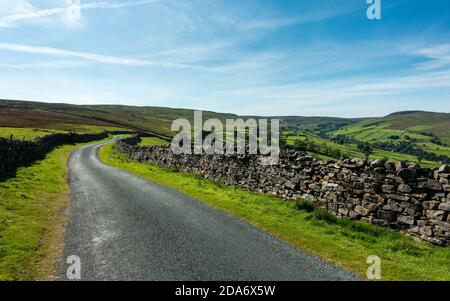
x=123, y=227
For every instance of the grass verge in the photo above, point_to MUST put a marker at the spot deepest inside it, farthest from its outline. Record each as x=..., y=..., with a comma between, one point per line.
x=32, y=218
x=343, y=242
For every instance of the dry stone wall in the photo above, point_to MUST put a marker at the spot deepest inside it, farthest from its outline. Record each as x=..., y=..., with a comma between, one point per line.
x=401, y=196
x=16, y=153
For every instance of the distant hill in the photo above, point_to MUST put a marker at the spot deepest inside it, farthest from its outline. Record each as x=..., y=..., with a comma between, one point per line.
x=321, y=123
x=154, y=119
x=414, y=124
x=38, y=114
x=406, y=113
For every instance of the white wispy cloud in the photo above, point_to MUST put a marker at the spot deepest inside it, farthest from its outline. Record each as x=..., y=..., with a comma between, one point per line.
x=11, y=20
x=271, y=20
x=348, y=90
x=115, y=60
x=198, y=52
x=14, y=7
x=302, y=19
x=83, y=55
x=436, y=56
x=45, y=65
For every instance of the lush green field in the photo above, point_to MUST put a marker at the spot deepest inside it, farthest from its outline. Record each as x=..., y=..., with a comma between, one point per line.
x=84, y=128
x=350, y=151
x=30, y=134
x=431, y=147
x=412, y=124
x=345, y=243
x=410, y=131
x=151, y=141
x=375, y=133
x=32, y=217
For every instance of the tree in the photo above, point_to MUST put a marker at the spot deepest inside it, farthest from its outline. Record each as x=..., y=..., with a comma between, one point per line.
x=419, y=158
x=300, y=145
x=365, y=148
x=336, y=153
x=283, y=143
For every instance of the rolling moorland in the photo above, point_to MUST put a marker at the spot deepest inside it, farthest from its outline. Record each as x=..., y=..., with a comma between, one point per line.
x=156, y=120
x=31, y=235
x=412, y=136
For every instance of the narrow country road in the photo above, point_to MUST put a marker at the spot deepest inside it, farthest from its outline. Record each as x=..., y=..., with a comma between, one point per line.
x=123, y=227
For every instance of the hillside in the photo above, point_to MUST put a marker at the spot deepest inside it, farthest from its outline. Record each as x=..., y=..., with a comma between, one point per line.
x=152, y=119
x=409, y=135
x=327, y=149
x=320, y=123
x=415, y=124
x=14, y=113
x=413, y=136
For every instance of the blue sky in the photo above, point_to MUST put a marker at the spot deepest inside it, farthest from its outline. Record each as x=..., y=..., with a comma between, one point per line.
x=266, y=57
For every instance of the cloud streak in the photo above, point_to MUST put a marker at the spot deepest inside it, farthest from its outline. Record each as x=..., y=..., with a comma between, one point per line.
x=46, y=65
x=437, y=57
x=114, y=60
x=303, y=19
x=8, y=21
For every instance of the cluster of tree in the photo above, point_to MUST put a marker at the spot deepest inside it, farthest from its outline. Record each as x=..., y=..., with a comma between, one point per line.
x=325, y=128
x=434, y=139
x=365, y=148
x=437, y=141
x=290, y=135
x=394, y=137
x=429, y=134
x=406, y=147
x=321, y=129
x=362, y=146
x=308, y=145
x=342, y=139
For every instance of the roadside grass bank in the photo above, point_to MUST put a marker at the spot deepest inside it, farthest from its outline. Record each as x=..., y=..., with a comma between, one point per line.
x=343, y=242
x=32, y=217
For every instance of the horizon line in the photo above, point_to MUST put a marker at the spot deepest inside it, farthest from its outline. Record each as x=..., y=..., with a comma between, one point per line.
x=225, y=113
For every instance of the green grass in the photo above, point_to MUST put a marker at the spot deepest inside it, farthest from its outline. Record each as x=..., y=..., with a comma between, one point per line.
x=85, y=128
x=378, y=133
x=345, y=243
x=350, y=150
x=433, y=148
x=32, y=218
x=30, y=134
x=305, y=205
x=151, y=141
x=412, y=124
